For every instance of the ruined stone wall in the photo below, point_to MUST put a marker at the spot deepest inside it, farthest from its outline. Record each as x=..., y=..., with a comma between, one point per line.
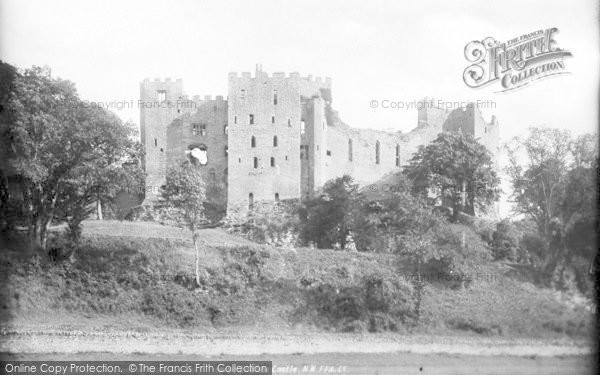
x=160, y=103
x=186, y=132
x=155, y=115
x=364, y=166
x=300, y=116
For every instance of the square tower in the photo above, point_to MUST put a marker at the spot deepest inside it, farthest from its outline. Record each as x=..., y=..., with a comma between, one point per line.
x=160, y=103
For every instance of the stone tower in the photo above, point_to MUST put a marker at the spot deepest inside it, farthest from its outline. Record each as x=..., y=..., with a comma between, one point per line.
x=270, y=117
x=160, y=104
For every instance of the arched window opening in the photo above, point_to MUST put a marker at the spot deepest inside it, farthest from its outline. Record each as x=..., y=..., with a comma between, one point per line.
x=197, y=154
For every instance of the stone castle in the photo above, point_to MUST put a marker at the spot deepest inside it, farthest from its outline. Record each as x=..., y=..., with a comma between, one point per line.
x=278, y=137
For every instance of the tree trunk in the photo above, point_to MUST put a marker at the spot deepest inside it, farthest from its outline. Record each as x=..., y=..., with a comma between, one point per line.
x=195, y=240
x=34, y=235
x=99, y=209
x=418, y=284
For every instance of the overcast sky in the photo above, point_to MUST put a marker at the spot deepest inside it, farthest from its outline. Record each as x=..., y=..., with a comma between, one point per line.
x=373, y=50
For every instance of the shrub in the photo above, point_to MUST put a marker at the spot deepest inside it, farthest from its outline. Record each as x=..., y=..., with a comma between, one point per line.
x=459, y=253
x=375, y=304
x=269, y=223
x=505, y=242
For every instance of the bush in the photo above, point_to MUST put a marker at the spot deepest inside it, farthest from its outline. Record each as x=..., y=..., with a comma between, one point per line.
x=375, y=304
x=459, y=253
x=505, y=242
x=269, y=223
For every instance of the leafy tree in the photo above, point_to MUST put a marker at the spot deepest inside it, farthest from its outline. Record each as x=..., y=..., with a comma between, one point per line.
x=553, y=178
x=327, y=219
x=451, y=165
x=52, y=146
x=184, y=193
x=115, y=167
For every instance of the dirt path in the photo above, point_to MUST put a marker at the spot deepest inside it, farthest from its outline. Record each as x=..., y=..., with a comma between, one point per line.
x=213, y=344
x=362, y=363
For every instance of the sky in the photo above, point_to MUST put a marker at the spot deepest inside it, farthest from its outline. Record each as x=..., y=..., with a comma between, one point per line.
x=373, y=50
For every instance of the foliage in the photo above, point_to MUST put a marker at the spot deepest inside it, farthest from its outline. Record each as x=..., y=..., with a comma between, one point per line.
x=139, y=283
x=184, y=195
x=59, y=154
x=326, y=219
x=116, y=166
x=553, y=177
x=453, y=164
x=505, y=242
x=271, y=223
x=376, y=304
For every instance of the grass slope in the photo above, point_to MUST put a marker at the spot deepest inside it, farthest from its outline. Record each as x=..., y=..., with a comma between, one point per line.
x=139, y=276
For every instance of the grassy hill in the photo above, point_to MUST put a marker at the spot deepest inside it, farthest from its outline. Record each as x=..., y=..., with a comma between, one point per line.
x=140, y=276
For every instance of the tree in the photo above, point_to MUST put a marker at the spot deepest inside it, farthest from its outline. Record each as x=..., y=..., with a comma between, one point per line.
x=327, y=219
x=553, y=178
x=52, y=145
x=458, y=169
x=184, y=194
x=115, y=167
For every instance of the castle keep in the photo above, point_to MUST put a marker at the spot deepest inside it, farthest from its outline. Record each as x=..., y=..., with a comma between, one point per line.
x=278, y=137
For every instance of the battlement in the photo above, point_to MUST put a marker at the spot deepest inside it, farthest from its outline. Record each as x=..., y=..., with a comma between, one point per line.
x=207, y=98
x=326, y=81
x=148, y=81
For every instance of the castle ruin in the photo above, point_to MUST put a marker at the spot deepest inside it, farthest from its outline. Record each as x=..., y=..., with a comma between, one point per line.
x=278, y=137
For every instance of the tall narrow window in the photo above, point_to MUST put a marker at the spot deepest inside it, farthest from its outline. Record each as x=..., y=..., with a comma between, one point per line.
x=155, y=142
x=272, y=161
x=275, y=97
x=397, y=155
x=349, y=150
x=253, y=141
x=235, y=120
x=272, y=119
x=202, y=129
x=377, y=152
x=255, y=162
x=226, y=151
x=251, y=119
x=225, y=129
x=276, y=197
x=274, y=141
x=243, y=94
x=250, y=201
x=290, y=122
x=194, y=129
x=302, y=127
x=161, y=95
